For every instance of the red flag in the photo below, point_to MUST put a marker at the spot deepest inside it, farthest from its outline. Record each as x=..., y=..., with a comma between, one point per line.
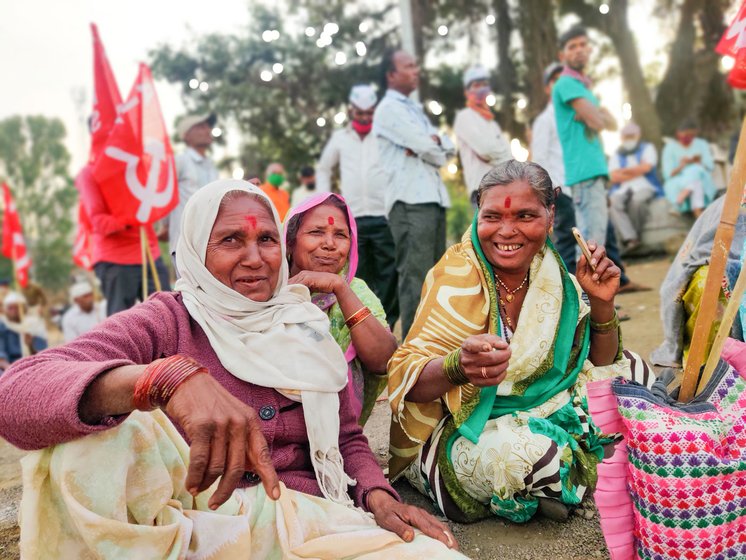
x=733, y=44
x=106, y=97
x=14, y=246
x=136, y=170
x=82, y=254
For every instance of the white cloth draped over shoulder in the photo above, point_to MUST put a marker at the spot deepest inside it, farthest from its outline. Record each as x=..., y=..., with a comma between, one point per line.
x=283, y=343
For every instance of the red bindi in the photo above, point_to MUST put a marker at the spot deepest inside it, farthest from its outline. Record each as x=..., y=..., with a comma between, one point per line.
x=507, y=202
x=331, y=220
x=252, y=221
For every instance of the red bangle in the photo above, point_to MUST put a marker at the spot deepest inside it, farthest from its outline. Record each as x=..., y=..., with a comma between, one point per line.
x=358, y=317
x=159, y=381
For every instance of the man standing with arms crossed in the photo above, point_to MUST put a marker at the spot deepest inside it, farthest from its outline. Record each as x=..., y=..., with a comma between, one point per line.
x=363, y=184
x=580, y=119
x=411, y=153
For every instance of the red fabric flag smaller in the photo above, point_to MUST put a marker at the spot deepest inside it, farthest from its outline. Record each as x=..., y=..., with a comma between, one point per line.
x=136, y=170
x=82, y=252
x=106, y=97
x=733, y=44
x=14, y=245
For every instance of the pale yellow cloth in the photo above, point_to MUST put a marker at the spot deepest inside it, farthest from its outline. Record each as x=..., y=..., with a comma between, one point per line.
x=120, y=494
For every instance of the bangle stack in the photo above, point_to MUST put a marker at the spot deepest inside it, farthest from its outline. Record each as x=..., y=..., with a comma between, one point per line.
x=159, y=381
x=358, y=317
x=452, y=368
x=606, y=327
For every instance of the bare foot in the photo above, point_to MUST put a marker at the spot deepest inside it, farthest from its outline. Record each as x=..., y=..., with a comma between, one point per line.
x=683, y=195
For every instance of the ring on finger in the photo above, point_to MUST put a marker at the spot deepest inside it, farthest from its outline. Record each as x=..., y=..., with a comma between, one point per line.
x=484, y=372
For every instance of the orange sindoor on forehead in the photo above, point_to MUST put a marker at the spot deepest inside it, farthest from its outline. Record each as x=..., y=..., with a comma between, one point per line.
x=507, y=202
x=251, y=220
x=330, y=219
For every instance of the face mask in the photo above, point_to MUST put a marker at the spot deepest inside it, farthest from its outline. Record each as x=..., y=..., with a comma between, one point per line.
x=276, y=179
x=361, y=128
x=311, y=186
x=629, y=145
x=478, y=95
x=685, y=139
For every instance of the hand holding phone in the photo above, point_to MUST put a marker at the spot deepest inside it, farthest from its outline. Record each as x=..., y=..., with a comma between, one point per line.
x=583, y=247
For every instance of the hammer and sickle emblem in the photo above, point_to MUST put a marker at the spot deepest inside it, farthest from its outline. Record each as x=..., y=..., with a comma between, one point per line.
x=147, y=194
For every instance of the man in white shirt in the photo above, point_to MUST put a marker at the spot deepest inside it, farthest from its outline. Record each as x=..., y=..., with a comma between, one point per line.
x=481, y=143
x=411, y=153
x=363, y=184
x=632, y=172
x=194, y=169
x=84, y=313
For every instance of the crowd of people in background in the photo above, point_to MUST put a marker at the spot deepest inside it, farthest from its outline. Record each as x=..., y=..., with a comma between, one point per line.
x=387, y=165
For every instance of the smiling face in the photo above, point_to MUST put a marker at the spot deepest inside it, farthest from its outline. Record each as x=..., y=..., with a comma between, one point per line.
x=323, y=241
x=512, y=226
x=244, y=250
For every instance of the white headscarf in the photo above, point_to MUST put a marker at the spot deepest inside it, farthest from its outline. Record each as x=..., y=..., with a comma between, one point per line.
x=283, y=343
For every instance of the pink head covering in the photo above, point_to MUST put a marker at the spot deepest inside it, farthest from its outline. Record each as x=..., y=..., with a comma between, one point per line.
x=325, y=301
x=318, y=200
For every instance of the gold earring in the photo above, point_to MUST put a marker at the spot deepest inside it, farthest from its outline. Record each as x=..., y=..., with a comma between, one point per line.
x=551, y=230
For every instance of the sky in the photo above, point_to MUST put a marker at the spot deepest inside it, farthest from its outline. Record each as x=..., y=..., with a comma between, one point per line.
x=47, y=57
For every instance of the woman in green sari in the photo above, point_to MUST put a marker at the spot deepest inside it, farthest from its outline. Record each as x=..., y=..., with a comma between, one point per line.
x=488, y=390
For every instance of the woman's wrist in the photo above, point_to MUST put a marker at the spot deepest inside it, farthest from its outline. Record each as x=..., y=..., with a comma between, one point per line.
x=602, y=311
x=377, y=498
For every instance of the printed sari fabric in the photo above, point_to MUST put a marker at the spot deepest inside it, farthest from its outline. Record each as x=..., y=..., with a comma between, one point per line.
x=363, y=385
x=120, y=494
x=533, y=438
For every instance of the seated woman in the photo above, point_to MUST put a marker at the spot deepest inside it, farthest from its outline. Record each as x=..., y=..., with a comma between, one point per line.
x=687, y=170
x=682, y=288
x=321, y=239
x=488, y=390
x=254, y=388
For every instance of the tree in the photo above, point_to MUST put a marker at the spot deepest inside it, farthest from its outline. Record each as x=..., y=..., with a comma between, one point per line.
x=692, y=86
x=281, y=119
x=34, y=162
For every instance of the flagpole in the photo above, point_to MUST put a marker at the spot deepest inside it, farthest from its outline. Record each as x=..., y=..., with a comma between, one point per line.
x=153, y=270
x=144, y=260
x=710, y=295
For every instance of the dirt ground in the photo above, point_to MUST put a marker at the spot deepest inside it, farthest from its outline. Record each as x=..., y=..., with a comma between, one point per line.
x=578, y=538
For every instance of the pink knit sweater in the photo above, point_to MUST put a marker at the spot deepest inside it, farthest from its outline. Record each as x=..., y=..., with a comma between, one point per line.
x=39, y=395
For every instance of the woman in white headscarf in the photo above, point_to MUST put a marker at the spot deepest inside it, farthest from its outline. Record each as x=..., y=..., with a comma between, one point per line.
x=252, y=384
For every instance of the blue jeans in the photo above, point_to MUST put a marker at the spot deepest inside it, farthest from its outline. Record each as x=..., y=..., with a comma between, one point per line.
x=591, y=208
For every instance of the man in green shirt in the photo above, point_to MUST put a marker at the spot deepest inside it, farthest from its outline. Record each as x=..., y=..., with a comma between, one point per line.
x=580, y=119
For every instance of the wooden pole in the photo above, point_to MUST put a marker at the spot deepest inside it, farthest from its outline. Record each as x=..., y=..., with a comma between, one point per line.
x=723, y=237
x=144, y=261
x=727, y=322
x=153, y=270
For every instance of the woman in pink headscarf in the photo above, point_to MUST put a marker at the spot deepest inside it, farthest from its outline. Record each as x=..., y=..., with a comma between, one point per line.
x=321, y=238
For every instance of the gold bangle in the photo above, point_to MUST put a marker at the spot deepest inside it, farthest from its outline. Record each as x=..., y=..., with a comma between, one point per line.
x=452, y=369
x=608, y=326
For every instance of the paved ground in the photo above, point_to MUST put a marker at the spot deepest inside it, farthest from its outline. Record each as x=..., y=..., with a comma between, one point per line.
x=579, y=538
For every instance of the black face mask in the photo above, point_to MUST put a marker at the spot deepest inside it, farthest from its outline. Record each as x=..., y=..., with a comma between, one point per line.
x=311, y=186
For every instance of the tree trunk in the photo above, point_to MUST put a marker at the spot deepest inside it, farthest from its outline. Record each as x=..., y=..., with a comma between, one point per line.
x=506, y=71
x=420, y=21
x=716, y=105
x=539, y=38
x=676, y=93
x=643, y=109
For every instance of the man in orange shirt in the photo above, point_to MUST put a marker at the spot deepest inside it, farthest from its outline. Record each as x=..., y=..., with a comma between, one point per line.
x=273, y=178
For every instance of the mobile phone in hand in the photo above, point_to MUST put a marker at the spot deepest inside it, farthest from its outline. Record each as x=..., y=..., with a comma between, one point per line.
x=583, y=246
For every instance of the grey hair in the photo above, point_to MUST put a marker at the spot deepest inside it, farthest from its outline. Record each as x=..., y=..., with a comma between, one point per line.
x=513, y=171
x=231, y=196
